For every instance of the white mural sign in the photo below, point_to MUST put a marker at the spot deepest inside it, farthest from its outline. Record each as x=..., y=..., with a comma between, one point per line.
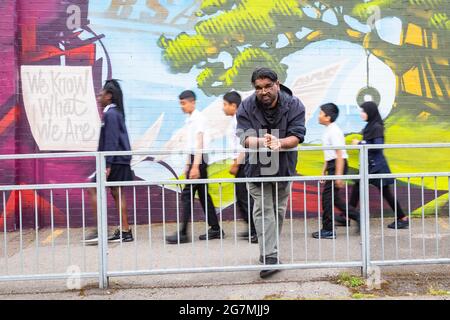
x=61, y=107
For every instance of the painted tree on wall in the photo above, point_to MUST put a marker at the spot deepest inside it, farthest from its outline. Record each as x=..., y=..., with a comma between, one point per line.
x=249, y=30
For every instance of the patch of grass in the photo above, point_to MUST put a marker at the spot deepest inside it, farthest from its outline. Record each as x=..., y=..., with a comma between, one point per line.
x=350, y=281
x=437, y=292
x=359, y=295
x=273, y=297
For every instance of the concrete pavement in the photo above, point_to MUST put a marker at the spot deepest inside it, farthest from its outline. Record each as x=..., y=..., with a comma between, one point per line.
x=55, y=252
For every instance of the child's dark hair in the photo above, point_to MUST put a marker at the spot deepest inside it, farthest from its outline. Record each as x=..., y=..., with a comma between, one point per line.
x=331, y=110
x=264, y=73
x=112, y=86
x=187, y=94
x=233, y=97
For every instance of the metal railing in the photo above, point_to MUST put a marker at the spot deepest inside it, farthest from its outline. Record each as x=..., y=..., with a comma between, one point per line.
x=158, y=202
x=429, y=235
x=24, y=264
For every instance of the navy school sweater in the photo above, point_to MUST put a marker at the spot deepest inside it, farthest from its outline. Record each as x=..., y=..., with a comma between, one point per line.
x=114, y=137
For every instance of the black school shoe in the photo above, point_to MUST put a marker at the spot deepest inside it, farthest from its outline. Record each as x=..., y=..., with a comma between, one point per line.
x=126, y=236
x=269, y=261
x=253, y=237
x=173, y=239
x=324, y=234
x=355, y=216
x=400, y=224
x=341, y=221
x=212, y=234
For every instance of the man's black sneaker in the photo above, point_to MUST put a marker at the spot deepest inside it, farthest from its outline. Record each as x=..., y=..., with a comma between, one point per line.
x=269, y=261
x=355, y=216
x=341, y=221
x=324, y=234
x=244, y=236
x=173, y=239
x=125, y=236
x=212, y=234
x=400, y=224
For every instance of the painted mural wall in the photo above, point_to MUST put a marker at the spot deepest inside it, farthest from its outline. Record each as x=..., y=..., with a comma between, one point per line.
x=55, y=55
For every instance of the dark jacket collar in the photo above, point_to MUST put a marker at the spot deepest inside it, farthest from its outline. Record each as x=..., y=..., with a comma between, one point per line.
x=284, y=96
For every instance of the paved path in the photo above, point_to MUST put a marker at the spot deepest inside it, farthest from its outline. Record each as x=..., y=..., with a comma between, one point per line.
x=55, y=252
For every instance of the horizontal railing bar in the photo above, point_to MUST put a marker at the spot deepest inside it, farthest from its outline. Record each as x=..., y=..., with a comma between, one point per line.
x=160, y=152
x=408, y=146
x=236, y=268
x=212, y=151
x=172, y=152
x=47, y=155
x=48, y=186
x=410, y=262
x=56, y=276
x=300, y=148
x=408, y=175
x=229, y=180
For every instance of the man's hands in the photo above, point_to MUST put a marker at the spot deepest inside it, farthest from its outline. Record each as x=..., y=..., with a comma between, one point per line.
x=339, y=184
x=234, y=169
x=194, y=173
x=272, y=142
x=324, y=173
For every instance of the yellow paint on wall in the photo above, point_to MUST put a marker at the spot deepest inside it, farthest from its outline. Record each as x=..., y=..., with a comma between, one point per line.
x=447, y=85
x=426, y=83
x=434, y=41
x=433, y=106
x=441, y=61
x=211, y=50
x=290, y=36
x=56, y=233
x=437, y=87
x=414, y=35
x=423, y=116
x=314, y=35
x=353, y=33
x=411, y=81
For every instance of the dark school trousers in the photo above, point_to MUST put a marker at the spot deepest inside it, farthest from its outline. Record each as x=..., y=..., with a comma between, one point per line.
x=242, y=197
x=327, y=197
x=205, y=199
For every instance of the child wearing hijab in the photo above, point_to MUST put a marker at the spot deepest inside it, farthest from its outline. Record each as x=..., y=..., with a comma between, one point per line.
x=373, y=133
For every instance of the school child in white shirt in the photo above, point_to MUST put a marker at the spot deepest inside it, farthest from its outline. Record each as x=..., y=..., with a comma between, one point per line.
x=196, y=168
x=335, y=164
x=231, y=102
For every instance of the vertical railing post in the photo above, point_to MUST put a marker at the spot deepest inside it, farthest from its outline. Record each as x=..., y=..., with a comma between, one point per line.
x=102, y=221
x=364, y=209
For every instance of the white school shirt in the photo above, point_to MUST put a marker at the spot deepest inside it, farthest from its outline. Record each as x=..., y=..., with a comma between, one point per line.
x=109, y=106
x=233, y=142
x=196, y=123
x=333, y=136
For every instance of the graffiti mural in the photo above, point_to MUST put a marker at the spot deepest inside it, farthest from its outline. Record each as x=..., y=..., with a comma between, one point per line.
x=59, y=53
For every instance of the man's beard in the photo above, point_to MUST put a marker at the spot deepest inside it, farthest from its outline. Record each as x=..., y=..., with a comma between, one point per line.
x=266, y=103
